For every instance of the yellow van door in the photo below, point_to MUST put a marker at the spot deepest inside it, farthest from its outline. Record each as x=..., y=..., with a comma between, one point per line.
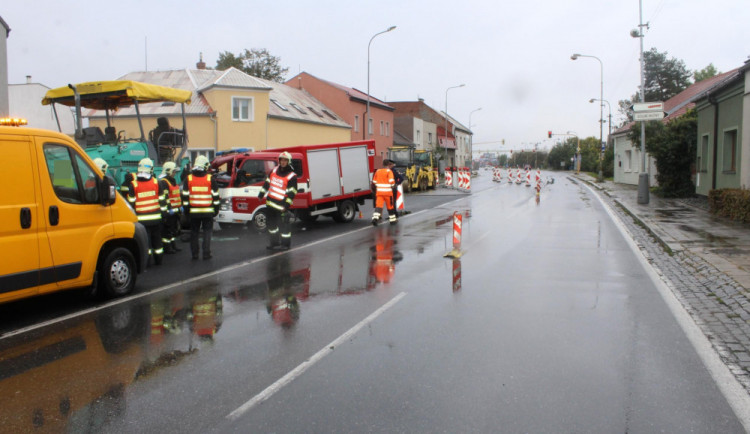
x=20, y=221
x=77, y=224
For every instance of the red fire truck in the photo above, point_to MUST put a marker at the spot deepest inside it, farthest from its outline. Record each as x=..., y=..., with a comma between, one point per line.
x=332, y=180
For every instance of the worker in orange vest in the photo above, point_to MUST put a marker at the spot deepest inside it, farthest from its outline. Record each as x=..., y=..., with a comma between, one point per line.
x=383, y=184
x=148, y=197
x=174, y=199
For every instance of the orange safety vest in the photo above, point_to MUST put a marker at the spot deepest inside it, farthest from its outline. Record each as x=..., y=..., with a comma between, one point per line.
x=384, y=182
x=147, y=200
x=175, y=201
x=277, y=187
x=200, y=195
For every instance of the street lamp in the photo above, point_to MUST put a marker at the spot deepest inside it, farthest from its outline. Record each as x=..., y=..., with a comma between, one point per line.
x=366, y=127
x=471, y=138
x=643, y=192
x=446, y=114
x=578, y=149
x=601, y=108
x=609, y=107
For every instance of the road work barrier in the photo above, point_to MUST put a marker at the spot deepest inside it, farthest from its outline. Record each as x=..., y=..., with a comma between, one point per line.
x=457, y=227
x=448, y=178
x=399, y=198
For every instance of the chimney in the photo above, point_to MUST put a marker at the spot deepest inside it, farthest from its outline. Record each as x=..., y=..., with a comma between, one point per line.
x=201, y=64
x=421, y=99
x=28, y=79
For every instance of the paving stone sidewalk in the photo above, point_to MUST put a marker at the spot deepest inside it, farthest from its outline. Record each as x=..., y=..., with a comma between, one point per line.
x=708, y=273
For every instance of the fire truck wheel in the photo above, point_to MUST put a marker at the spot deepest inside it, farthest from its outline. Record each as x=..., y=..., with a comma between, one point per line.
x=260, y=220
x=347, y=211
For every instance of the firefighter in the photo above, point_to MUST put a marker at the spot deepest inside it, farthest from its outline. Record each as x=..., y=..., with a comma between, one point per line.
x=174, y=199
x=148, y=197
x=125, y=186
x=279, y=190
x=383, y=185
x=200, y=199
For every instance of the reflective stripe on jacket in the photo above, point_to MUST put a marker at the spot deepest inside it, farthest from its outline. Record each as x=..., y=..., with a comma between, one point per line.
x=175, y=201
x=146, y=199
x=280, y=192
x=200, y=196
x=384, y=181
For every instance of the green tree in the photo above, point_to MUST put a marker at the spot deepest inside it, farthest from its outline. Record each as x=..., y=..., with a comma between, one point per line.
x=707, y=72
x=673, y=145
x=257, y=62
x=664, y=78
x=502, y=160
x=560, y=154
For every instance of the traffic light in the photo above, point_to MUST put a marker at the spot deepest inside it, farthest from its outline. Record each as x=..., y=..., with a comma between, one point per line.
x=549, y=134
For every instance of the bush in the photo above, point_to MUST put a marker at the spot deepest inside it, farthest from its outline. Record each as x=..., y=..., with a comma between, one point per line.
x=733, y=203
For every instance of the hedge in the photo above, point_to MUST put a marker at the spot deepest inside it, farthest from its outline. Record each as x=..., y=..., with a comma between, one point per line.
x=733, y=203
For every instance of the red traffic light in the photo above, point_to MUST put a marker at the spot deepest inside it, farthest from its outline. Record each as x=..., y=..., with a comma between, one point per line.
x=549, y=134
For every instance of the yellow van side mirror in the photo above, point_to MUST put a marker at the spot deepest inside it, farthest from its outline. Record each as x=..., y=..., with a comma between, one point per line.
x=107, y=191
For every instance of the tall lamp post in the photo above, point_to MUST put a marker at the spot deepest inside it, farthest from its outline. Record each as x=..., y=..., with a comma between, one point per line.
x=601, y=108
x=446, y=113
x=643, y=193
x=609, y=107
x=366, y=127
x=471, y=138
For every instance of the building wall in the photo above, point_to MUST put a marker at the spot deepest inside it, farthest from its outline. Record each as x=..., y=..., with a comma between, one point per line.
x=239, y=134
x=340, y=102
x=284, y=132
x=4, y=97
x=25, y=101
x=628, y=162
x=745, y=142
x=730, y=118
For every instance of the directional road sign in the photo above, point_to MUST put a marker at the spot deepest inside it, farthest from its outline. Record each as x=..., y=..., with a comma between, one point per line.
x=648, y=107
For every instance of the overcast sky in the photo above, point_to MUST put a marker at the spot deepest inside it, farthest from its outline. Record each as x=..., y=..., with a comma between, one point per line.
x=513, y=56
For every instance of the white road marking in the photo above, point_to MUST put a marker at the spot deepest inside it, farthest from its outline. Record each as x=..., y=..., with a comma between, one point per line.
x=307, y=364
x=732, y=390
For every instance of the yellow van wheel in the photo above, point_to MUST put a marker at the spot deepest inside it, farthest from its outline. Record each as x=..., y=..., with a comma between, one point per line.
x=118, y=272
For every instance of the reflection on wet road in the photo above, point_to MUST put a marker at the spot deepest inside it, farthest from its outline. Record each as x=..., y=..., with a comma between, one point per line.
x=545, y=323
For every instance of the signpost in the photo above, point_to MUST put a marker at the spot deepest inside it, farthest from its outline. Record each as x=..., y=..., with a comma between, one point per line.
x=648, y=111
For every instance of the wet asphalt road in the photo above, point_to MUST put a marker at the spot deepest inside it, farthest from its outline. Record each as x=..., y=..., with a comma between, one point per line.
x=547, y=323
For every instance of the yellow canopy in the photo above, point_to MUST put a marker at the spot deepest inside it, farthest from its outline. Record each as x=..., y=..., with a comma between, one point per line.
x=100, y=95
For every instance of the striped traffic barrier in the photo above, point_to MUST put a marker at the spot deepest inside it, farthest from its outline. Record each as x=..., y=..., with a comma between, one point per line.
x=457, y=228
x=467, y=181
x=399, y=198
x=448, y=178
x=528, y=178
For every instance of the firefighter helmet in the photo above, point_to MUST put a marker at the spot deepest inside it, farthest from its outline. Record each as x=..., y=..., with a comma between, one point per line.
x=286, y=155
x=101, y=164
x=146, y=165
x=169, y=168
x=201, y=163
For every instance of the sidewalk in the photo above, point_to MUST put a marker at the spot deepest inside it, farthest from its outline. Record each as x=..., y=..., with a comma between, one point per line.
x=704, y=259
x=687, y=225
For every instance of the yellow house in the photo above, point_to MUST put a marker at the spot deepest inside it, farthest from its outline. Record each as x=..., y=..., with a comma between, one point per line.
x=232, y=110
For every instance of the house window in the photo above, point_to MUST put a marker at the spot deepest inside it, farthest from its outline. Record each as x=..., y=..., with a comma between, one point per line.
x=299, y=109
x=207, y=152
x=356, y=123
x=387, y=129
x=703, y=154
x=369, y=126
x=242, y=109
x=419, y=136
x=429, y=138
x=729, y=154
x=329, y=114
x=628, y=161
x=315, y=111
x=382, y=128
x=278, y=104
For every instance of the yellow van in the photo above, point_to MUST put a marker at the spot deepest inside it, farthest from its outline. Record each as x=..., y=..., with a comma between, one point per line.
x=62, y=224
